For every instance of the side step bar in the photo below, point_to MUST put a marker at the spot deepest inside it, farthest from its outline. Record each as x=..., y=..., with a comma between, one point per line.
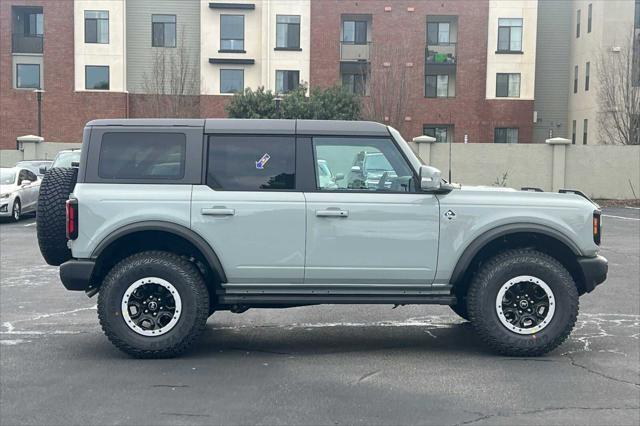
x=316, y=299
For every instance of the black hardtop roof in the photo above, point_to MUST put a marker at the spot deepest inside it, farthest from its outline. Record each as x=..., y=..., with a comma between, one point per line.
x=257, y=126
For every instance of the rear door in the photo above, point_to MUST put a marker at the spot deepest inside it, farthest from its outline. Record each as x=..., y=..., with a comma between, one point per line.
x=250, y=211
x=369, y=227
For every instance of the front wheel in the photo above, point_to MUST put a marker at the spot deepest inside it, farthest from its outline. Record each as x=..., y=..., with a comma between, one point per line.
x=523, y=303
x=16, y=210
x=153, y=305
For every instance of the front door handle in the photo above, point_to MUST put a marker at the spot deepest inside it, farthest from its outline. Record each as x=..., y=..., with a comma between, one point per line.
x=218, y=211
x=332, y=213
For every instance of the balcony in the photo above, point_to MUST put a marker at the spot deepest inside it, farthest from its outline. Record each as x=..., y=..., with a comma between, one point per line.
x=355, y=52
x=26, y=43
x=441, y=57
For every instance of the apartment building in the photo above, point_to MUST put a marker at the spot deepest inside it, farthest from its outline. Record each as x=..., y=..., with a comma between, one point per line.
x=461, y=71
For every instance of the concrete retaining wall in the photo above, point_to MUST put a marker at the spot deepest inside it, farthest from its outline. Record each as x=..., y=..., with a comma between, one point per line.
x=35, y=151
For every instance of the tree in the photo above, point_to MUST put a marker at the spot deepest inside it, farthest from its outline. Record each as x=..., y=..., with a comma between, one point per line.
x=619, y=94
x=173, y=83
x=333, y=103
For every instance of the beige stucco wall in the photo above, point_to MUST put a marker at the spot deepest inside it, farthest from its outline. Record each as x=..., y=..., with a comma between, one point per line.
x=525, y=64
x=612, y=24
x=598, y=171
x=112, y=54
x=259, y=44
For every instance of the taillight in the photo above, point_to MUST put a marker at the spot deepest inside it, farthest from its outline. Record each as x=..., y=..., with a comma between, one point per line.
x=597, y=227
x=72, y=219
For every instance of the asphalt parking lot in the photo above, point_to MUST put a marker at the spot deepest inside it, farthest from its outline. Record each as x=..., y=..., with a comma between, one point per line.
x=326, y=365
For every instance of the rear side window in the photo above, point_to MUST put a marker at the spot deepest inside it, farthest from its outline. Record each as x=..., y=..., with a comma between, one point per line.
x=139, y=155
x=251, y=163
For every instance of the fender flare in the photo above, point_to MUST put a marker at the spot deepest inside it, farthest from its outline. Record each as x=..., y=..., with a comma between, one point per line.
x=181, y=231
x=500, y=231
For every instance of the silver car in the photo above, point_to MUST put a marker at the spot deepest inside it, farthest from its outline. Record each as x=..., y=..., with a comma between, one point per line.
x=19, y=188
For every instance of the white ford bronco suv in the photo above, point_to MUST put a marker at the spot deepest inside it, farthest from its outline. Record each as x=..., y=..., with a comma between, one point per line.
x=170, y=220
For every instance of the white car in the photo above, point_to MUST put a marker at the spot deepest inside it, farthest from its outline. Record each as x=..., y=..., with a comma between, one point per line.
x=19, y=188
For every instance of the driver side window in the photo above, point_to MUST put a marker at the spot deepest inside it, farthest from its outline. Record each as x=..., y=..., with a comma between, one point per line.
x=361, y=164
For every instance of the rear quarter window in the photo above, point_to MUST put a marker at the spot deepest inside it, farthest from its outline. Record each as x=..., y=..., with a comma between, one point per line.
x=139, y=155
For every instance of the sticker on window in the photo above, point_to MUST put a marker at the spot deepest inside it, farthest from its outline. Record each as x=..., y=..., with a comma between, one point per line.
x=262, y=161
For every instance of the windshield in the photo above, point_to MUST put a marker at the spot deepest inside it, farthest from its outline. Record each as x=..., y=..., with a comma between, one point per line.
x=7, y=176
x=377, y=162
x=65, y=158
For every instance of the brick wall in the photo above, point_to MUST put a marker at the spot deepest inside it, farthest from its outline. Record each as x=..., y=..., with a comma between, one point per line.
x=401, y=34
x=64, y=111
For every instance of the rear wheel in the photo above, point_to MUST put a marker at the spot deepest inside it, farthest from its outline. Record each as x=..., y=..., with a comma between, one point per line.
x=523, y=303
x=153, y=305
x=16, y=210
x=56, y=186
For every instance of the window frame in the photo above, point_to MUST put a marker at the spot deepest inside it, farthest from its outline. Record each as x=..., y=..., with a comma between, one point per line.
x=231, y=69
x=351, y=88
x=355, y=40
x=506, y=135
x=284, y=79
x=314, y=172
x=578, y=23
x=587, y=72
x=574, y=130
x=164, y=30
x=287, y=26
x=508, y=95
x=225, y=50
x=585, y=131
x=589, y=17
x=575, y=79
x=426, y=93
x=438, y=32
x=18, y=65
x=509, y=28
x=96, y=20
x=86, y=71
x=447, y=128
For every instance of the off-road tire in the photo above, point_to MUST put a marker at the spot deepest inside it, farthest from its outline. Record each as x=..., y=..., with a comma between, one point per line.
x=18, y=204
x=187, y=280
x=56, y=186
x=481, y=302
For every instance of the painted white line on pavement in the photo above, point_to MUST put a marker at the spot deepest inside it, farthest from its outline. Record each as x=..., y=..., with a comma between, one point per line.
x=634, y=208
x=619, y=217
x=30, y=224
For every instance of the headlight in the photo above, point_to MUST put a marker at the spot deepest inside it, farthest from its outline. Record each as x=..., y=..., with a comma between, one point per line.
x=5, y=195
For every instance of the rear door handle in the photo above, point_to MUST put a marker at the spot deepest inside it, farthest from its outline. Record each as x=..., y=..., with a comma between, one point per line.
x=332, y=213
x=218, y=211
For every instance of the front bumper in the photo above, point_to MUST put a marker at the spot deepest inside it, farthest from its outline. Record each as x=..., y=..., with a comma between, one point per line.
x=594, y=271
x=75, y=274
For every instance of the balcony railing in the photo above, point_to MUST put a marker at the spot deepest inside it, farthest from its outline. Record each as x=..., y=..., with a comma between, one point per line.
x=26, y=43
x=350, y=51
x=444, y=54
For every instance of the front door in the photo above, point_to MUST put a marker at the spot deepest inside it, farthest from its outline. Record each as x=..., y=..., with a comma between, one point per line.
x=249, y=210
x=366, y=222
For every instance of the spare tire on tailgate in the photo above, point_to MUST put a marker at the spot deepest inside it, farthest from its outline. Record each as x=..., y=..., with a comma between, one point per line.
x=56, y=186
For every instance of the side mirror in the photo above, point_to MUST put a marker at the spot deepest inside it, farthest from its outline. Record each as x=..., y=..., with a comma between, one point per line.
x=338, y=176
x=43, y=169
x=430, y=179
x=26, y=182
x=356, y=169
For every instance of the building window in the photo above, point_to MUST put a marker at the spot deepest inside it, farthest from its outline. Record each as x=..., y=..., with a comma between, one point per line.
x=589, y=17
x=96, y=77
x=286, y=81
x=578, y=23
x=355, y=83
x=637, y=15
x=505, y=135
x=288, y=31
x=163, y=29
x=510, y=35
x=437, y=86
x=586, y=76
x=354, y=32
x=231, y=81
x=573, y=133
x=232, y=33
x=438, y=33
x=28, y=76
x=575, y=79
x=585, y=131
x=442, y=134
x=508, y=85
x=96, y=26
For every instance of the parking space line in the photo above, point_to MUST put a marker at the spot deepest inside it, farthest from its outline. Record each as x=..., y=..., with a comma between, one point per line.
x=30, y=224
x=619, y=217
